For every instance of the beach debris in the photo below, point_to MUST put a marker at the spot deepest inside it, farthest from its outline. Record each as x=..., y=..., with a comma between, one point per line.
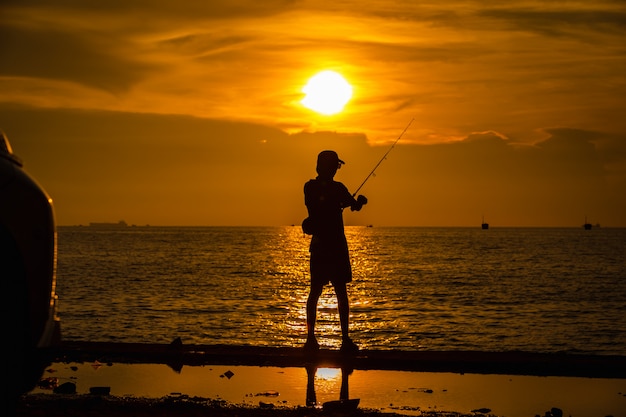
x=65, y=388
x=341, y=406
x=191, y=402
x=424, y=390
x=265, y=405
x=269, y=393
x=554, y=412
x=48, y=383
x=228, y=374
x=482, y=410
x=405, y=408
x=346, y=405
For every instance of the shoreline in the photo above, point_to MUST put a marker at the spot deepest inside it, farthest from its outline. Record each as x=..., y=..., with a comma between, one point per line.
x=177, y=354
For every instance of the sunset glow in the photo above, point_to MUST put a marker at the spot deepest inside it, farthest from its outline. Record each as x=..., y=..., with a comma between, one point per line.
x=176, y=115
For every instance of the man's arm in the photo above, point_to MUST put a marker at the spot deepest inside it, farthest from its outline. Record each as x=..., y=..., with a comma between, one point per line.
x=350, y=201
x=358, y=204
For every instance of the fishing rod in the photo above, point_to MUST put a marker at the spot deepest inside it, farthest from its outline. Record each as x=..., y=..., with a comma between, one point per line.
x=383, y=158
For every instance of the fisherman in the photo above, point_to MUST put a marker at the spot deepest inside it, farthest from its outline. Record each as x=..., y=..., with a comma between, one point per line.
x=325, y=200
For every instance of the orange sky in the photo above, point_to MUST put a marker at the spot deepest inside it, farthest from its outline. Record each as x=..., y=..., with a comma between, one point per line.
x=163, y=114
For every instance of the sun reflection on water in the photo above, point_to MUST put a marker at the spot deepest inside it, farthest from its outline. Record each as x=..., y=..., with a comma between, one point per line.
x=293, y=266
x=365, y=265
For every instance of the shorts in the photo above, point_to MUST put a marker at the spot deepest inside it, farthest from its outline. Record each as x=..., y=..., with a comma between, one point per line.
x=330, y=266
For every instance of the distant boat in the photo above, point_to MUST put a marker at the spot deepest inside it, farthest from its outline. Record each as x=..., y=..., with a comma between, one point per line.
x=587, y=225
x=484, y=225
x=121, y=223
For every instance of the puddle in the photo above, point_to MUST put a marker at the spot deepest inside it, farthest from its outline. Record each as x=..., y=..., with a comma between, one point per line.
x=389, y=391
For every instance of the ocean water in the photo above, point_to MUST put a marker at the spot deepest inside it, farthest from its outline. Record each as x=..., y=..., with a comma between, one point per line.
x=503, y=289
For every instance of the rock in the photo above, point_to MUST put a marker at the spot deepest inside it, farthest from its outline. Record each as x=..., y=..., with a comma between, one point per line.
x=176, y=343
x=66, y=388
x=341, y=406
x=556, y=412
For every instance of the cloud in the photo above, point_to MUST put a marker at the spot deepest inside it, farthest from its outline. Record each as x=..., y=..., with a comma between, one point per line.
x=457, y=65
x=168, y=169
x=585, y=23
x=588, y=153
x=156, y=10
x=104, y=46
x=93, y=61
x=103, y=166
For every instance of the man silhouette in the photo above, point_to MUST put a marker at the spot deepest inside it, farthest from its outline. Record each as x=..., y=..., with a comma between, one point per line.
x=325, y=200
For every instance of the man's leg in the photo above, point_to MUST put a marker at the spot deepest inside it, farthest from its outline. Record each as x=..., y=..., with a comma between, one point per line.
x=311, y=311
x=343, y=305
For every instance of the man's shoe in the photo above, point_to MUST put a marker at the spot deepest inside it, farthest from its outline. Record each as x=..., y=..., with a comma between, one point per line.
x=348, y=346
x=311, y=345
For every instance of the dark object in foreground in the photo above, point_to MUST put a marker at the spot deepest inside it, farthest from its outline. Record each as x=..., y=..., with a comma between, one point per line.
x=341, y=406
x=27, y=277
x=505, y=363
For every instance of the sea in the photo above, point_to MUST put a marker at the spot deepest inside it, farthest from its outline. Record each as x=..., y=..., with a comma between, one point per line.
x=414, y=288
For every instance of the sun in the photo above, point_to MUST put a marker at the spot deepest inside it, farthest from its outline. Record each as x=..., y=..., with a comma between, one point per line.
x=327, y=92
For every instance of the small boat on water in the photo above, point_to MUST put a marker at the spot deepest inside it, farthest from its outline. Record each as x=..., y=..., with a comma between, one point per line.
x=587, y=225
x=484, y=225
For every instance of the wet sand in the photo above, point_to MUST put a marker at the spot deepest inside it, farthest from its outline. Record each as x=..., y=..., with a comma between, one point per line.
x=178, y=354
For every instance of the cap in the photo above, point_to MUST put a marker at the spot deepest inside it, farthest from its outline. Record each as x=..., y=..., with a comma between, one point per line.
x=328, y=158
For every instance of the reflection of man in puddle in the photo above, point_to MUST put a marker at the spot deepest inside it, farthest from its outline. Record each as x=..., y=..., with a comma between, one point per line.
x=343, y=404
x=325, y=200
x=311, y=398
